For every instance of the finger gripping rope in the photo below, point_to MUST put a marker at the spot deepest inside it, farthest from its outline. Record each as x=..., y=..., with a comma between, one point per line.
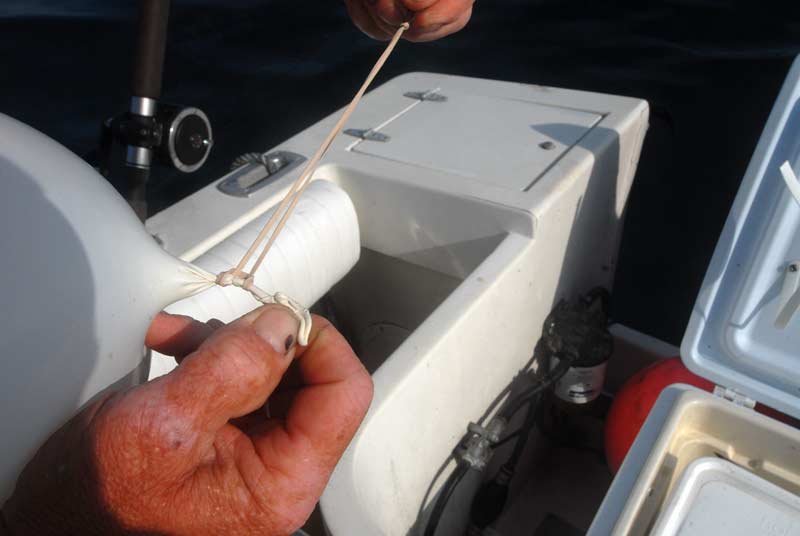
x=231, y=278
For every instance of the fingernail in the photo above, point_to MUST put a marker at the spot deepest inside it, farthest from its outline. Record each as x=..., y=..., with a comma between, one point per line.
x=278, y=327
x=215, y=323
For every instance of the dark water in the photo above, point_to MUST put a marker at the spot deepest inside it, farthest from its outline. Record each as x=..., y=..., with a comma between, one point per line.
x=264, y=70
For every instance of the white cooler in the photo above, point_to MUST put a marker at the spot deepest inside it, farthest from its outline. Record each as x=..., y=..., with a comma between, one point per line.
x=715, y=496
x=709, y=463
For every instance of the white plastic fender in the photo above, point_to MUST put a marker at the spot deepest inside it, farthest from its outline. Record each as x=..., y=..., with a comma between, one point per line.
x=82, y=281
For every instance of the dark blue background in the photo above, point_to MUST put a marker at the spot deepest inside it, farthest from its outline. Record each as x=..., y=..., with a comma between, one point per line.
x=264, y=70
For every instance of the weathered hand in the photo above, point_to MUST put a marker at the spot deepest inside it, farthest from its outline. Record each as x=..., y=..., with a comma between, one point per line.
x=429, y=19
x=194, y=452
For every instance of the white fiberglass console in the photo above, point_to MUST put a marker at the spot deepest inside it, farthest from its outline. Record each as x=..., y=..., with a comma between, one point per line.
x=480, y=204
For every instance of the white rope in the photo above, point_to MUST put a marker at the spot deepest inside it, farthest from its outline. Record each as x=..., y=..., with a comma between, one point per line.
x=305, y=178
x=302, y=314
x=237, y=276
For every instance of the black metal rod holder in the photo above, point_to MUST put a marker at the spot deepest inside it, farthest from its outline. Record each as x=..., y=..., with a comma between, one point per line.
x=150, y=131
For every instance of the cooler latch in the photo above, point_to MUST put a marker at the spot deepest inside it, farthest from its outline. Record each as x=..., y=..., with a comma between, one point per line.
x=789, y=299
x=734, y=396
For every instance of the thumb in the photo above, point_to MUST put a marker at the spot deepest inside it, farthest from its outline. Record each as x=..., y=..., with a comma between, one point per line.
x=235, y=370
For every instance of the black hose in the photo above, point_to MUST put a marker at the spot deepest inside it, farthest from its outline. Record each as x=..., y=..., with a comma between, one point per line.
x=444, y=496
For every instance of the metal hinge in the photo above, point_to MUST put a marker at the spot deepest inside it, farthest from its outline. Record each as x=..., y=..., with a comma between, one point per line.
x=367, y=134
x=430, y=95
x=734, y=396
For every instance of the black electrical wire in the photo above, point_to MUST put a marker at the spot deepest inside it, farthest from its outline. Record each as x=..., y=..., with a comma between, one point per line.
x=490, y=500
x=444, y=496
x=527, y=426
x=510, y=437
x=526, y=396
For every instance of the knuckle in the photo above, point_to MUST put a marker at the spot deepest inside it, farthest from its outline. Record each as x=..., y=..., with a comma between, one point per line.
x=362, y=392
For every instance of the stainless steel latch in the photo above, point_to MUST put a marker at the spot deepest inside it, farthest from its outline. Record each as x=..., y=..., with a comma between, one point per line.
x=367, y=134
x=254, y=171
x=431, y=95
x=789, y=299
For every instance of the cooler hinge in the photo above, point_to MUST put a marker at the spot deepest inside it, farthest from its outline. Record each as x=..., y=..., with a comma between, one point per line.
x=734, y=396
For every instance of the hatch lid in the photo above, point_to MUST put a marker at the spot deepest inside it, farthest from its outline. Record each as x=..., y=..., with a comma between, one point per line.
x=742, y=334
x=508, y=143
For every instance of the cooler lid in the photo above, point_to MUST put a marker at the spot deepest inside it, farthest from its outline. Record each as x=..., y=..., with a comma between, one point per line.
x=744, y=332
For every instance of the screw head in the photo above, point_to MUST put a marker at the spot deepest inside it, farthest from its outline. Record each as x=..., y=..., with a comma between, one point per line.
x=197, y=141
x=547, y=145
x=793, y=268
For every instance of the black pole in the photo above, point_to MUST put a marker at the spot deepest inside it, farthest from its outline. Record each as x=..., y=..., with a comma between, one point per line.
x=136, y=189
x=152, y=42
x=148, y=69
